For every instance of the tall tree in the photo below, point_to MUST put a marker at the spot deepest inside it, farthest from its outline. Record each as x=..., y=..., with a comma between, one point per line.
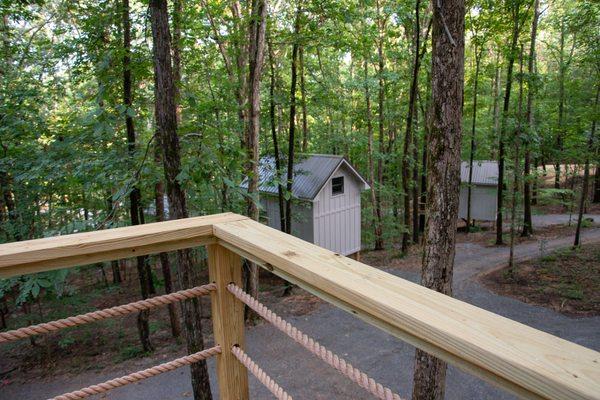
x=292, y=118
x=165, y=262
x=478, y=47
x=136, y=211
x=516, y=16
x=276, y=151
x=443, y=175
x=530, y=115
x=255, y=64
x=166, y=123
x=586, y=170
x=408, y=136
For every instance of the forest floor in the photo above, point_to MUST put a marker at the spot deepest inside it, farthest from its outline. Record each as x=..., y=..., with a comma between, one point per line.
x=363, y=345
x=566, y=280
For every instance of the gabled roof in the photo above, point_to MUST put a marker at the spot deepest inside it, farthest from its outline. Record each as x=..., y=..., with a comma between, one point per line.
x=311, y=173
x=484, y=172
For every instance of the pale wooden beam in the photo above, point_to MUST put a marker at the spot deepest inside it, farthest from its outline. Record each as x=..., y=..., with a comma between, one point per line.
x=225, y=267
x=528, y=362
x=19, y=258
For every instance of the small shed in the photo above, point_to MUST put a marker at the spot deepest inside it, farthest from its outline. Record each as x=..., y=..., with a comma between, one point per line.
x=326, y=208
x=484, y=190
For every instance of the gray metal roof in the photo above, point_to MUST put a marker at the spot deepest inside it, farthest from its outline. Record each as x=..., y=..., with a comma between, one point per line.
x=484, y=172
x=311, y=172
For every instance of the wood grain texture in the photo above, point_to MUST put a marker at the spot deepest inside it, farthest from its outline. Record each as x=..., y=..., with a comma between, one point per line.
x=224, y=268
x=528, y=362
x=46, y=254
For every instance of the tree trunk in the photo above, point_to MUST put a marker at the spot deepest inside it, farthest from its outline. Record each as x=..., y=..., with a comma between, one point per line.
x=177, y=23
x=135, y=207
x=527, y=222
x=166, y=122
x=377, y=218
x=596, y=198
x=443, y=175
x=478, y=54
x=114, y=264
x=586, y=171
x=255, y=64
x=303, y=94
x=561, y=106
x=496, y=102
x=505, y=109
x=408, y=136
x=291, y=140
x=277, y=154
x=516, y=172
x=380, y=112
x=165, y=262
x=415, y=183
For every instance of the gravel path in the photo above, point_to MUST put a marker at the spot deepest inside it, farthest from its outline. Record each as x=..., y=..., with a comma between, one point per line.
x=387, y=359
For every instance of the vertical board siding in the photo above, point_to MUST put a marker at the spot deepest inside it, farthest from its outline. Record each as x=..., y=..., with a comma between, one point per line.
x=302, y=217
x=336, y=217
x=483, y=202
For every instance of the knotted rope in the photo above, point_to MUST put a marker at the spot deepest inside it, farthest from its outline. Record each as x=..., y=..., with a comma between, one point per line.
x=355, y=375
x=260, y=374
x=140, y=375
x=117, y=311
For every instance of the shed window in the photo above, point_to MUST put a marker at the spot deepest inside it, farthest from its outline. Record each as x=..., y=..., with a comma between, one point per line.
x=337, y=186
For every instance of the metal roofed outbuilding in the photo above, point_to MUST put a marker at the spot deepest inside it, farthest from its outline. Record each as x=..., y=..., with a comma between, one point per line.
x=484, y=189
x=327, y=209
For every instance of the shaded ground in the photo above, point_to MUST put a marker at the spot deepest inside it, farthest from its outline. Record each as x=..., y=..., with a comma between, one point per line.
x=387, y=359
x=567, y=280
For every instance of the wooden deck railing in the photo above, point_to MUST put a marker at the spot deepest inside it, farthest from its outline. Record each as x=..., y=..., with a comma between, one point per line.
x=525, y=361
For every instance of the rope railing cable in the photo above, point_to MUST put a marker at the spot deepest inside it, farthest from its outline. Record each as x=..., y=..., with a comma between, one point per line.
x=98, y=315
x=354, y=374
x=140, y=375
x=261, y=375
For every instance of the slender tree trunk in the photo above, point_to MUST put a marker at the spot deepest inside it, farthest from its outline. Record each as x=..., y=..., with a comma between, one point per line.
x=303, y=94
x=380, y=111
x=478, y=54
x=586, y=171
x=505, y=109
x=596, y=198
x=516, y=172
x=165, y=262
x=527, y=222
x=443, y=175
x=114, y=264
x=561, y=106
x=255, y=64
x=292, y=141
x=135, y=207
x=377, y=217
x=496, y=103
x=166, y=121
x=277, y=154
x=176, y=48
x=408, y=136
x=415, y=182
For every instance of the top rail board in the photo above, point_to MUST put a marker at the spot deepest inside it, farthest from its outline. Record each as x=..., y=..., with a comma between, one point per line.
x=19, y=258
x=528, y=362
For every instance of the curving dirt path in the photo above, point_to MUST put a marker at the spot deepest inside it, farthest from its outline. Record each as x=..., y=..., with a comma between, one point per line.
x=387, y=359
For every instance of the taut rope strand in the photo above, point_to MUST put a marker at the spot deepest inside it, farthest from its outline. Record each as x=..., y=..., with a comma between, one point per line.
x=356, y=375
x=260, y=374
x=117, y=311
x=140, y=375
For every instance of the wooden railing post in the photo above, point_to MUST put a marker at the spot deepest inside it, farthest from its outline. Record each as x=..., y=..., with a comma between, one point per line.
x=228, y=322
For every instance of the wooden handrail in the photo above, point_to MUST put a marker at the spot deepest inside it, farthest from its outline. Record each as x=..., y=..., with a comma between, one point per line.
x=57, y=252
x=528, y=362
